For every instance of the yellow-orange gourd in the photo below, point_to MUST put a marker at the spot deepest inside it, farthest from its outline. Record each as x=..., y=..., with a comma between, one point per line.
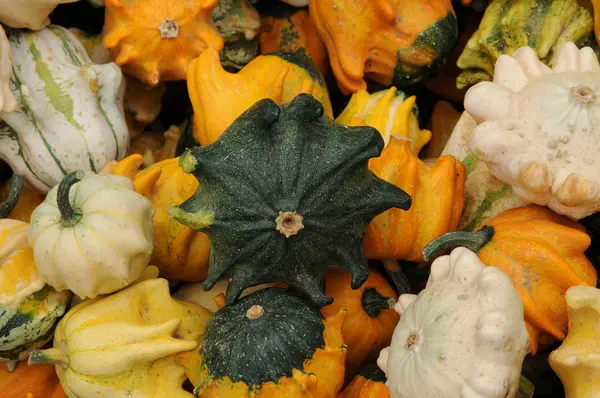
x=219, y=97
x=388, y=41
x=156, y=41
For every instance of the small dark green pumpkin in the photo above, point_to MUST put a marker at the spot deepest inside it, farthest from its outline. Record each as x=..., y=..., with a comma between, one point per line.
x=262, y=337
x=284, y=194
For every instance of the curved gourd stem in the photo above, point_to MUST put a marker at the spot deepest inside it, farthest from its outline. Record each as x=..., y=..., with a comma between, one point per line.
x=526, y=388
x=373, y=302
x=16, y=186
x=69, y=217
x=473, y=241
x=398, y=277
x=51, y=356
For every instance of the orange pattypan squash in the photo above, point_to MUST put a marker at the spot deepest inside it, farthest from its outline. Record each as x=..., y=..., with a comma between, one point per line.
x=543, y=254
x=30, y=381
x=289, y=29
x=219, y=97
x=371, y=317
x=369, y=383
x=388, y=41
x=156, y=41
x=437, y=194
x=155, y=147
x=180, y=253
x=28, y=201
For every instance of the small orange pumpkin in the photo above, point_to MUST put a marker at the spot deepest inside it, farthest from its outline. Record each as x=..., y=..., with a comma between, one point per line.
x=156, y=43
x=289, y=29
x=388, y=41
x=30, y=381
x=371, y=318
x=219, y=97
x=542, y=253
x=369, y=383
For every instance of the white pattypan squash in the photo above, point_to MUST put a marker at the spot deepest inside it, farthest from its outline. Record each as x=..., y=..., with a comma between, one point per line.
x=462, y=336
x=576, y=361
x=540, y=132
x=30, y=14
x=70, y=111
x=92, y=234
x=7, y=99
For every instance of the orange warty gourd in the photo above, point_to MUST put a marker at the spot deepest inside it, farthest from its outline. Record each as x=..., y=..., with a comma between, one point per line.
x=369, y=383
x=293, y=31
x=219, y=97
x=157, y=43
x=388, y=41
x=180, y=253
x=437, y=194
x=30, y=381
x=542, y=253
x=371, y=317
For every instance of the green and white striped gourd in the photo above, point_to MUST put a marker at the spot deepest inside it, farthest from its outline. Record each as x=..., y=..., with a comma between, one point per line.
x=7, y=100
x=70, y=110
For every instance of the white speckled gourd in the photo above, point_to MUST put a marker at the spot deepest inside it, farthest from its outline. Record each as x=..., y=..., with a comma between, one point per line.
x=70, y=110
x=30, y=14
x=7, y=99
x=462, y=336
x=539, y=128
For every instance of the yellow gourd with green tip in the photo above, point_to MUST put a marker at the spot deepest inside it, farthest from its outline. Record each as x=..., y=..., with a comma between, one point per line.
x=124, y=345
x=576, y=361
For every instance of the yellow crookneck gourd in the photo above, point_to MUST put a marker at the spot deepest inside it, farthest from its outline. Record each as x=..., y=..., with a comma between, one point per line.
x=576, y=361
x=179, y=252
x=157, y=43
x=389, y=112
x=124, y=345
x=219, y=97
x=436, y=190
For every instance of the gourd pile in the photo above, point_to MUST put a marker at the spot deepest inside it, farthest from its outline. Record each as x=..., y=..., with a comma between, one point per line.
x=238, y=198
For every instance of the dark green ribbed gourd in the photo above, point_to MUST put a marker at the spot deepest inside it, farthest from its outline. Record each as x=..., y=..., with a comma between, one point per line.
x=262, y=337
x=284, y=194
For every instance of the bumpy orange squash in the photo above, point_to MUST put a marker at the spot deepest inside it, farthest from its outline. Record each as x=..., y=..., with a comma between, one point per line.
x=180, y=253
x=156, y=43
x=289, y=29
x=219, y=97
x=388, y=41
x=543, y=254
x=437, y=194
x=369, y=383
x=371, y=317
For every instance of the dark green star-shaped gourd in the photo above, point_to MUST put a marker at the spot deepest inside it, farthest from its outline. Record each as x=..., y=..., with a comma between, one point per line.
x=283, y=195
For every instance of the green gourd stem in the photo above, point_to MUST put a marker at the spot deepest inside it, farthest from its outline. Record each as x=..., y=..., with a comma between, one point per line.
x=373, y=302
x=16, y=186
x=51, y=356
x=69, y=217
x=526, y=388
x=397, y=275
x=473, y=241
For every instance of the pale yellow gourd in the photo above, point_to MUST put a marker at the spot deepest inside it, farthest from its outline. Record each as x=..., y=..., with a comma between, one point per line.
x=390, y=112
x=124, y=345
x=576, y=361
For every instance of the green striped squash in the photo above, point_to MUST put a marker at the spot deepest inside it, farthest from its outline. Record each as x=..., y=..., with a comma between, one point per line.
x=485, y=195
x=70, y=110
x=30, y=325
x=543, y=25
